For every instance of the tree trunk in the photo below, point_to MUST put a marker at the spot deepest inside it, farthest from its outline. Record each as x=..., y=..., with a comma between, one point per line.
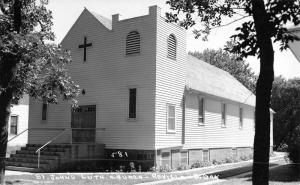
x=260, y=171
x=8, y=68
x=8, y=73
x=5, y=99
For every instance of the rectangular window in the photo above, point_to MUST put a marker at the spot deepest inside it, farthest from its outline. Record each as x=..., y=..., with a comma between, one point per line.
x=44, y=111
x=132, y=103
x=241, y=117
x=170, y=118
x=200, y=110
x=14, y=125
x=223, y=111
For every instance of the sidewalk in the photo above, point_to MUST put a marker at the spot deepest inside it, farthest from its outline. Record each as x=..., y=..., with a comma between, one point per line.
x=192, y=176
x=222, y=171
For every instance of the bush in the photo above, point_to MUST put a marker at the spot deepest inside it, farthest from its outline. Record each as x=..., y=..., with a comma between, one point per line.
x=104, y=166
x=282, y=148
x=294, y=152
x=183, y=167
x=244, y=158
x=165, y=168
x=201, y=164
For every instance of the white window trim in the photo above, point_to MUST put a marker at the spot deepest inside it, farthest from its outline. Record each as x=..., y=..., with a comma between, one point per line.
x=167, y=119
x=203, y=117
x=241, y=118
x=223, y=125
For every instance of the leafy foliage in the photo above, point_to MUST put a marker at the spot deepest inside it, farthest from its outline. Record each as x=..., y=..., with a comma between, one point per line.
x=40, y=66
x=264, y=22
x=211, y=14
x=230, y=63
x=286, y=103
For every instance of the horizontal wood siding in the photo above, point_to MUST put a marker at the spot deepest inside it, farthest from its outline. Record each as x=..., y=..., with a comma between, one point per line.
x=58, y=118
x=211, y=134
x=107, y=76
x=21, y=110
x=170, y=83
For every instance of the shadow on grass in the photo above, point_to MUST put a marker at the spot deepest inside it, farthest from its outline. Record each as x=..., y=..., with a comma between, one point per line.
x=284, y=173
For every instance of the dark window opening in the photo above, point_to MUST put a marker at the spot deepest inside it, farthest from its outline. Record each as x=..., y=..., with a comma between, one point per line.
x=44, y=111
x=132, y=103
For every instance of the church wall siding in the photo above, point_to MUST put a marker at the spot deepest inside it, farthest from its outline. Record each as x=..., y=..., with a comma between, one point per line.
x=107, y=76
x=58, y=118
x=20, y=110
x=211, y=134
x=170, y=82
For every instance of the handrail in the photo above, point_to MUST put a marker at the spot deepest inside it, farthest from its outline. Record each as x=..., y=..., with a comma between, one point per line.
x=39, y=149
x=57, y=136
x=17, y=135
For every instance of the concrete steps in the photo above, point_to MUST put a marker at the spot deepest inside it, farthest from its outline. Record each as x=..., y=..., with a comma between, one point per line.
x=52, y=156
x=26, y=159
x=22, y=169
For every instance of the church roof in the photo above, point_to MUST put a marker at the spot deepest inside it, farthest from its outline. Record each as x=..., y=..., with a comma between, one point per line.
x=103, y=20
x=210, y=80
x=295, y=46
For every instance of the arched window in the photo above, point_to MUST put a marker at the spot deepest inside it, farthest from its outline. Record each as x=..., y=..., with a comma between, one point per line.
x=172, y=47
x=133, y=42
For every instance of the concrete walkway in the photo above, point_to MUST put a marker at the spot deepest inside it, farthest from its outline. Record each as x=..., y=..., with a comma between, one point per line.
x=10, y=172
x=213, y=170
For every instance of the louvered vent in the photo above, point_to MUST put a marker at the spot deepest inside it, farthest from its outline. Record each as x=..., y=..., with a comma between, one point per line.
x=133, y=41
x=172, y=47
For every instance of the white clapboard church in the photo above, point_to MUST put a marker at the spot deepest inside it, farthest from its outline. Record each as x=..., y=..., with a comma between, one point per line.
x=143, y=98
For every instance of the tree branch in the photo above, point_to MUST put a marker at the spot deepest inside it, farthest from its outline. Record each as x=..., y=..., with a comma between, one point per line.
x=2, y=8
x=223, y=25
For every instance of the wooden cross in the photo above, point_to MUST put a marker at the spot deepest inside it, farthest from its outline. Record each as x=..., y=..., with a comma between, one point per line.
x=84, y=46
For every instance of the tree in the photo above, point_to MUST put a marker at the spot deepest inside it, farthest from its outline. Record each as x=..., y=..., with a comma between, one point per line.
x=230, y=63
x=263, y=22
x=285, y=101
x=29, y=63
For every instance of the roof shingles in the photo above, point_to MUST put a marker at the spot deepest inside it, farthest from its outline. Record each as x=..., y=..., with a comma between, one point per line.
x=211, y=80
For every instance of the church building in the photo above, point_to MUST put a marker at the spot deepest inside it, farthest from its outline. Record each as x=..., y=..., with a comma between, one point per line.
x=144, y=98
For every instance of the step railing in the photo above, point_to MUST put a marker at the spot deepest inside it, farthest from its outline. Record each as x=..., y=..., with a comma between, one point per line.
x=50, y=141
x=64, y=130
x=8, y=153
x=17, y=135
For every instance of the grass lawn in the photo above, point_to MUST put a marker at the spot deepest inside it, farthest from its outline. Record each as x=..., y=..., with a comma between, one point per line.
x=284, y=174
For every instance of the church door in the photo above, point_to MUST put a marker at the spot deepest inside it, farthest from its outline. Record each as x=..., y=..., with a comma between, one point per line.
x=83, y=124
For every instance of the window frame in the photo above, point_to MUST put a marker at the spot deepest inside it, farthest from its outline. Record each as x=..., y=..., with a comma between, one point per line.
x=167, y=120
x=175, y=51
x=241, y=117
x=16, y=126
x=129, y=104
x=201, y=99
x=223, y=114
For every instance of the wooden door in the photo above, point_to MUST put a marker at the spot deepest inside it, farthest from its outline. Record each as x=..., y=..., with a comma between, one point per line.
x=83, y=124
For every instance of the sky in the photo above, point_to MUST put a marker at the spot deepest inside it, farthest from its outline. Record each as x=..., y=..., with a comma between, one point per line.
x=65, y=13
